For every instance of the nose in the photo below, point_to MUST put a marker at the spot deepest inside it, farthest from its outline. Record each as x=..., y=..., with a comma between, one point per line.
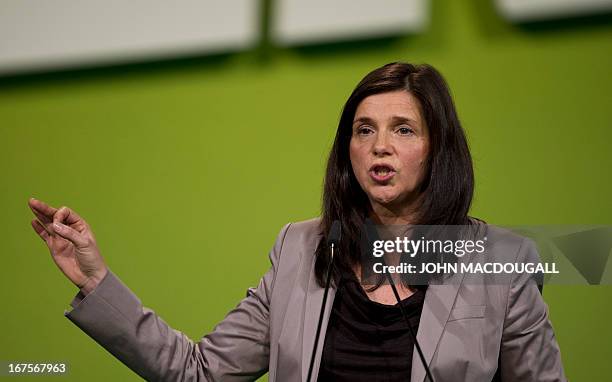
x=381, y=145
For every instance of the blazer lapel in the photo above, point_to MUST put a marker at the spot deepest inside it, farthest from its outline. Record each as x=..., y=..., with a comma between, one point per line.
x=439, y=300
x=314, y=298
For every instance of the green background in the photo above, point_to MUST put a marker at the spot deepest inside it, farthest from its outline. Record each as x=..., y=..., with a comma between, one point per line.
x=187, y=170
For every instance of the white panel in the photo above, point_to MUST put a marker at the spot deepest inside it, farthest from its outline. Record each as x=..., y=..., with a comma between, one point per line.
x=59, y=33
x=312, y=21
x=531, y=10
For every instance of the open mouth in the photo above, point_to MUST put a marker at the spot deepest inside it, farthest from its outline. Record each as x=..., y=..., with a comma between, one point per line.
x=382, y=172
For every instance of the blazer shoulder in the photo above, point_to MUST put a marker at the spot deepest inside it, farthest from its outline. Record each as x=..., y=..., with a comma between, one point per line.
x=305, y=229
x=505, y=242
x=302, y=236
x=504, y=234
x=308, y=225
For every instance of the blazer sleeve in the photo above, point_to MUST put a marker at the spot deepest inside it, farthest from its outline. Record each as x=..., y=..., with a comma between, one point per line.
x=529, y=349
x=236, y=350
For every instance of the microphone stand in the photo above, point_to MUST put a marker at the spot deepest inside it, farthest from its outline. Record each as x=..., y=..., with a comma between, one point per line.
x=327, y=282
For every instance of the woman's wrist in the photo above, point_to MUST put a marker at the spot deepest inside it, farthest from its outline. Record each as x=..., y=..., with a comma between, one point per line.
x=92, y=282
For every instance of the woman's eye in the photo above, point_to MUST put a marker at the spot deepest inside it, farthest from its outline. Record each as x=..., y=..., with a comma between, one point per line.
x=405, y=130
x=364, y=130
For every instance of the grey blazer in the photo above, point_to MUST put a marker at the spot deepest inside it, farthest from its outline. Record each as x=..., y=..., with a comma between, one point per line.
x=466, y=331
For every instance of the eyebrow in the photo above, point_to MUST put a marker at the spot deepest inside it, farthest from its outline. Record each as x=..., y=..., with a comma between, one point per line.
x=395, y=119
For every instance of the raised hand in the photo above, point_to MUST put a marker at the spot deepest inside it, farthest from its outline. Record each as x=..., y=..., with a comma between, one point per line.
x=71, y=243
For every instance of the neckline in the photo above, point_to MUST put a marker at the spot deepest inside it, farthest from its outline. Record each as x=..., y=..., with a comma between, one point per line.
x=353, y=285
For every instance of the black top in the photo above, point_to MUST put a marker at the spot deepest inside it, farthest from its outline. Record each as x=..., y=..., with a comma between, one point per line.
x=366, y=340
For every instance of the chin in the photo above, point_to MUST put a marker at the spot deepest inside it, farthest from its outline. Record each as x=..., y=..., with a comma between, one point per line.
x=384, y=198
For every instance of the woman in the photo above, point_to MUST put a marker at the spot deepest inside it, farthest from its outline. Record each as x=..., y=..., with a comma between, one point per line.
x=399, y=157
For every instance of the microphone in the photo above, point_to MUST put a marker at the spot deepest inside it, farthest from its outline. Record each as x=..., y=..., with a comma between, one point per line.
x=333, y=238
x=372, y=234
x=334, y=235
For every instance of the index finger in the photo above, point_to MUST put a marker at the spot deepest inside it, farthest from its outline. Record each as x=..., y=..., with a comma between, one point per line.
x=42, y=208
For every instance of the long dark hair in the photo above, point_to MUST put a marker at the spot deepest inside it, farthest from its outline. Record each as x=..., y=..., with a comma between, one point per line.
x=448, y=185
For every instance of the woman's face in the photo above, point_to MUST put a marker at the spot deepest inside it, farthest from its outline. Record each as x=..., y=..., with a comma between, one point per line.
x=389, y=148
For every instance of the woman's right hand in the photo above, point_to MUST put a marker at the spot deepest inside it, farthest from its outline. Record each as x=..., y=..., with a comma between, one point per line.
x=71, y=243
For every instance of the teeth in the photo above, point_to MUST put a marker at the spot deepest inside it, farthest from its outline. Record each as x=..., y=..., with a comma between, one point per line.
x=382, y=171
